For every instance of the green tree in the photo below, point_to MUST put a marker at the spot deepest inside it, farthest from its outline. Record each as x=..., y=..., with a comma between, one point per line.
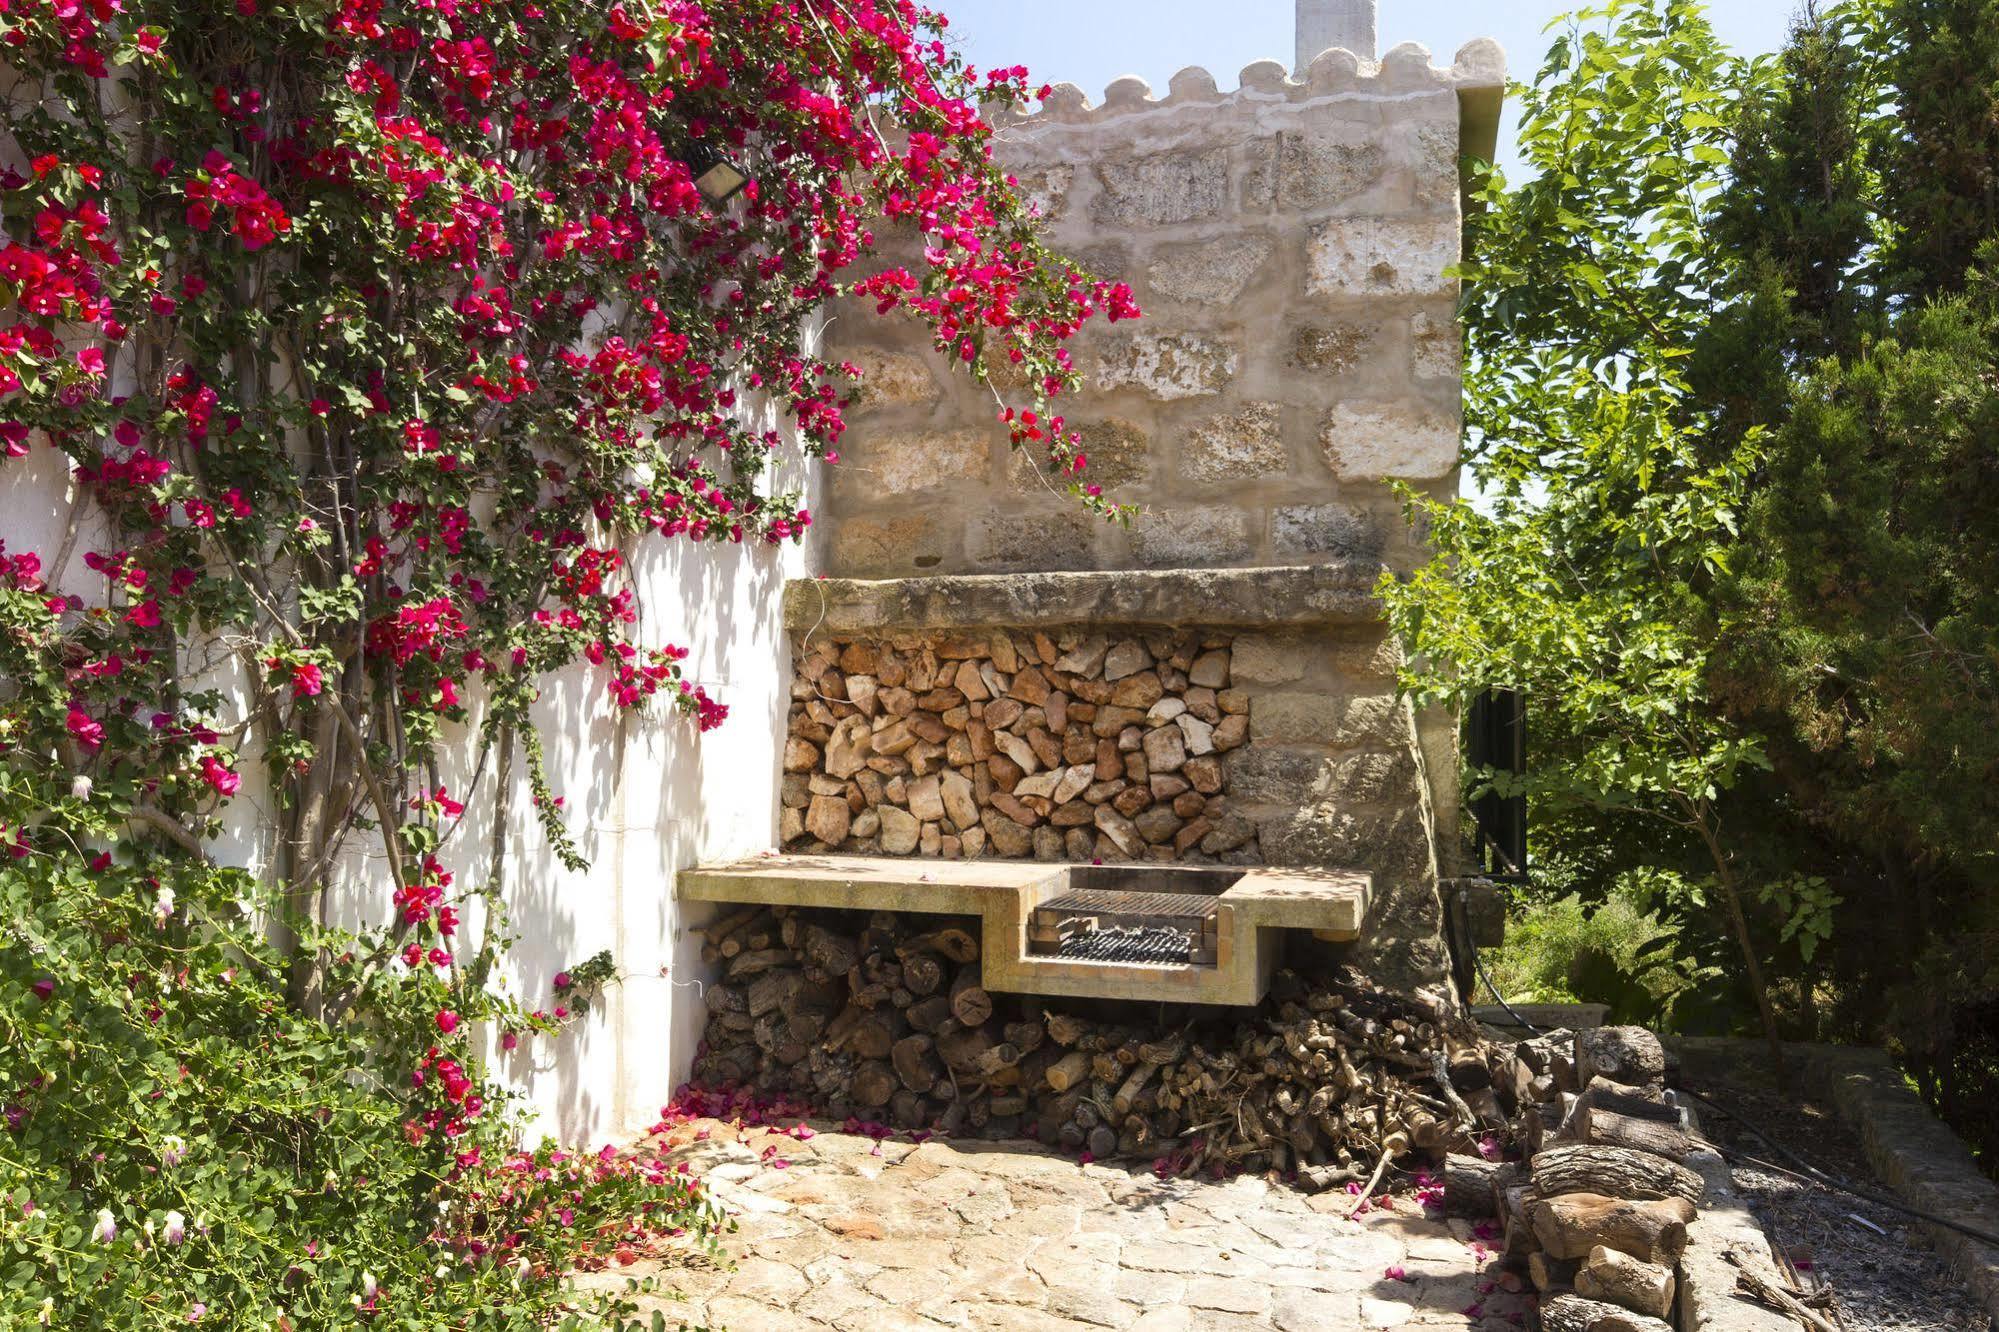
x=1582, y=579
x=1731, y=411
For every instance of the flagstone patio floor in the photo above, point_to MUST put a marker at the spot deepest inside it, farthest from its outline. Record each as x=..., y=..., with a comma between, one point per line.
x=839, y=1233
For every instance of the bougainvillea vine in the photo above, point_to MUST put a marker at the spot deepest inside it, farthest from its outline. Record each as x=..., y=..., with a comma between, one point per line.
x=378, y=338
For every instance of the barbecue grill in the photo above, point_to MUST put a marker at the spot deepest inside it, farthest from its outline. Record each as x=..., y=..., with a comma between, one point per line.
x=1128, y=926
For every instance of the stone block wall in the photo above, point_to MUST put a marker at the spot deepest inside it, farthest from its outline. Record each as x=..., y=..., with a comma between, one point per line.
x=1288, y=242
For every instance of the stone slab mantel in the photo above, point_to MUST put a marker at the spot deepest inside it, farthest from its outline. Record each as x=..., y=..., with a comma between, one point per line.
x=1314, y=594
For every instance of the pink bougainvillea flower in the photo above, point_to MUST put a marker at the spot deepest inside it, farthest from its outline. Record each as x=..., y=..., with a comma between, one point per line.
x=223, y=780
x=86, y=732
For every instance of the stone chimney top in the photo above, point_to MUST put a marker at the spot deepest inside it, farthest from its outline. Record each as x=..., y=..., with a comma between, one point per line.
x=1323, y=24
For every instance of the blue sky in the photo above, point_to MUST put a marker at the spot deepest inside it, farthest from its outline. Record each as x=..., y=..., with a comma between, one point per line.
x=1091, y=42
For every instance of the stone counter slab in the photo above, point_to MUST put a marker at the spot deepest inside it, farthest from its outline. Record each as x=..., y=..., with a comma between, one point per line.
x=1263, y=901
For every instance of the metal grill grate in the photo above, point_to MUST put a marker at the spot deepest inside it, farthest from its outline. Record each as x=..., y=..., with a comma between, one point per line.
x=1161, y=944
x=1117, y=926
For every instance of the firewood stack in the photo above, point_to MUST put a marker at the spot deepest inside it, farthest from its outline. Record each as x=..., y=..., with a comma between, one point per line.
x=881, y=1017
x=1597, y=1214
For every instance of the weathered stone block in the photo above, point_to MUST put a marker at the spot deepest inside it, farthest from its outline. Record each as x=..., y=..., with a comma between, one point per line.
x=867, y=547
x=1192, y=538
x=926, y=800
x=1376, y=256
x=828, y=819
x=1165, y=749
x=1340, y=530
x=1433, y=157
x=1238, y=445
x=906, y=462
x=955, y=789
x=1209, y=670
x=1436, y=350
x=1208, y=272
x=1331, y=347
x=899, y=831
x=1162, y=188
x=800, y=755
x=1312, y=170
x=1000, y=541
x=1167, y=366
x=1269, y=774
x=1126, y=657
x=1373, y=441
x=1268, y=659
x=1046, y=190
x=889, y=377
x=1118, y=453
x=1329, y=719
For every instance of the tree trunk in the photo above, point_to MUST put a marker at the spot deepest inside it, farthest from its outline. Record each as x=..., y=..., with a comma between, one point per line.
x=1754, y=969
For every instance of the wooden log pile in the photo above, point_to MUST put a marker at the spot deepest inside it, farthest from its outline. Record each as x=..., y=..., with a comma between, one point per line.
x=881, y=1017
x=1596, y=1215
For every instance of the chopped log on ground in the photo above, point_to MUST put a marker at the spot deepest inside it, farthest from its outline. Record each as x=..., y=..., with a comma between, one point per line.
x=1551, y=1055
x=1618, y=1278
x=1550, y=1275
x=1468, y=1186
x=970, y=1004
x=1541, y=1125
x=1067, y=1071
x=834, y=954
x=1571, y=1225
x=914, y=1064
x=1572, y=1313
x=873, y=1083
x=1630, y=1055
x=1607, y=1128
x=922, y=973
x=1614, y=1172
x=1638, y=1102
x=1519, y=1242
x=960, y=946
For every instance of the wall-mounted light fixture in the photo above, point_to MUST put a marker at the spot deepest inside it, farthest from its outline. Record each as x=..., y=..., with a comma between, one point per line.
x=718, y=179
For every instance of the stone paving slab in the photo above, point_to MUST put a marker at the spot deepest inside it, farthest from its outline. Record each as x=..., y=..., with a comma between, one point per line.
x=839, y=1233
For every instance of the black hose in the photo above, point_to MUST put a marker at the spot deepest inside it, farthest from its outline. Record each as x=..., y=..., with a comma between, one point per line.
x=1478, y=966
x=1811, y=1174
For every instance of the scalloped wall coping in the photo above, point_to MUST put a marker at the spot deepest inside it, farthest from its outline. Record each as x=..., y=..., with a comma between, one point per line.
x=1478, y=71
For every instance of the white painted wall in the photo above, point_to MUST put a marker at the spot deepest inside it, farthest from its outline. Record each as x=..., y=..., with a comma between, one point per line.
x=647, y=795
